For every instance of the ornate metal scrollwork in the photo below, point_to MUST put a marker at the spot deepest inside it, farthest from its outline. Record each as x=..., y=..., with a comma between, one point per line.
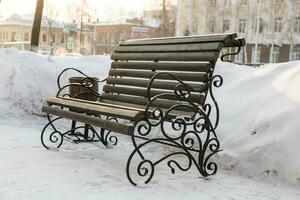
x=54, y=138
x=86, y=83
x=193, y=138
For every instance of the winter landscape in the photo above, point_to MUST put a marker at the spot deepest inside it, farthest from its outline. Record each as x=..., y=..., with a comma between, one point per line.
x=260, y=158
x=259, y=101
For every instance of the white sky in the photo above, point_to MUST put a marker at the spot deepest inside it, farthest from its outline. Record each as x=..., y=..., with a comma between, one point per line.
x=105, y=9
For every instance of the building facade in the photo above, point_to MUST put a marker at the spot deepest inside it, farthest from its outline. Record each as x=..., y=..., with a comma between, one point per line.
x=55, y=38
x=271, y=27
x=107, y=37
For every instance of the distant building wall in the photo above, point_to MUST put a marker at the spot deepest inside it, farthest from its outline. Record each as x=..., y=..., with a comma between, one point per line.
x=273, y=24
x=109, y=36
x=16, y=32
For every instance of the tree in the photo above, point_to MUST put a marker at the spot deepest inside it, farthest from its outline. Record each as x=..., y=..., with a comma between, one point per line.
x=81, y=16
x=36, y=28
x=167, y=26
x=51, y=13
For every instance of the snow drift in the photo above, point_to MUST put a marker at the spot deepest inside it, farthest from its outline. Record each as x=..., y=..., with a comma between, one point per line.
x=260, y=107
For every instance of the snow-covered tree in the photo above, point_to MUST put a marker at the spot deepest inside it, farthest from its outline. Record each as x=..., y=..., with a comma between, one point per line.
x=167, y=26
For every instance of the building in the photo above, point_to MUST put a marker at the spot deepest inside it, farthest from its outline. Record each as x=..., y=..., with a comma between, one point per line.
x=271, y=27
x=107, y=37
x=153, y=17
x=55, y=37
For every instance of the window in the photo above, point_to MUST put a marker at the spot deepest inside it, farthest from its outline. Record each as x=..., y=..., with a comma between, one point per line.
x=225, y=25
x=212, y=26
x=44, y=38
x=213, y=3
x=278, y=24
x=239, y=58
x=242, y=26
x=275, y=55
x=26, y=36
x=297, y=25
x=227, y=3
x=3, y=36
x=259, y=23
x=244, y=2
x=256, y=59
x=62, y=38
x=296, y=54
x=13, y=37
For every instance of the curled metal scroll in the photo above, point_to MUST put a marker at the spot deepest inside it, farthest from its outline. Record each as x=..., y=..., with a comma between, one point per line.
x=86, y=82
x=52, y=137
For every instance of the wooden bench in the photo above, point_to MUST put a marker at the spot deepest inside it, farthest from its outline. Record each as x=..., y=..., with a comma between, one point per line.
x=163, y=83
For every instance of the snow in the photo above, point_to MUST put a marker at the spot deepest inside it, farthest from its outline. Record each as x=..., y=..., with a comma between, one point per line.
x=260, y=114
x=260, y=118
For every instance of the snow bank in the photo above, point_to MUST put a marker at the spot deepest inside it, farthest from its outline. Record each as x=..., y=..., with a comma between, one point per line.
x=27, y=78
x=260, y=107
x=260, y=119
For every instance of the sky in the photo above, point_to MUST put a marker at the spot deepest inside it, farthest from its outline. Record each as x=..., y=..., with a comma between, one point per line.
x=105, y=10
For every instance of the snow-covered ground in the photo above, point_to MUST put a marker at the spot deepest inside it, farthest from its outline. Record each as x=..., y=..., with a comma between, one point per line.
x=259, y=132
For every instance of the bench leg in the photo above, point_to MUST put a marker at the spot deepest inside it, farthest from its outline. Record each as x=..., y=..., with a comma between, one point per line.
x=190, y=143
x=52, y=137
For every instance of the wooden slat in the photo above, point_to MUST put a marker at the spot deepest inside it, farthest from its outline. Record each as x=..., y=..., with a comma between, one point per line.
x=174, y=114
x=197, y=76
x=95, y=109
x=193, y=67
x=161, y=103
x=101, y=104
x=185, y=39
x=196, y=47
x=127, y=106
x=94, y=121
x=143, y=93
x=182, y=56
x=167, y=85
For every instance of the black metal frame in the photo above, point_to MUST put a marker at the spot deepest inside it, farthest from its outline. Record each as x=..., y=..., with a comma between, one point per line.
x=188, y=135
x=193, y=137
x=77, y=134
x=194, y=134
x=84, y=133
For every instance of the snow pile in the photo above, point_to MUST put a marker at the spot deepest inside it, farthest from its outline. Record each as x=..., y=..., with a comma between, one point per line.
x=27, y=79
x=260, y=119
x=260, y=108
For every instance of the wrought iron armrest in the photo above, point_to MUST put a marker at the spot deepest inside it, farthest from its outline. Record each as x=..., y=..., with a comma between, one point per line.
x=87, y=83
x=182, y=90
x=239, y=43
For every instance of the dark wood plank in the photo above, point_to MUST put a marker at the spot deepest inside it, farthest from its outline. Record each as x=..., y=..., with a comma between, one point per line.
x=95, y=109
x=183, y=66
x=167, y=85
x=91, y=120
x=174, y=114
x=143, y=93
x=197, y=76
x=184, y=39
x=195, y=47
x=183, y=56
x=161, y=103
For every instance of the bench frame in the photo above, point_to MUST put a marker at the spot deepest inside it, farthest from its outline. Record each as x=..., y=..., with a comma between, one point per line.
x=193, y=138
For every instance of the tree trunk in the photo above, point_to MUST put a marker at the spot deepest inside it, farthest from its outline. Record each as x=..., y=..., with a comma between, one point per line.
x=35, y=35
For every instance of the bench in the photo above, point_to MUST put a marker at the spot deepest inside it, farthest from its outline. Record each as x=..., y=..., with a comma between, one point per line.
x=161, y=83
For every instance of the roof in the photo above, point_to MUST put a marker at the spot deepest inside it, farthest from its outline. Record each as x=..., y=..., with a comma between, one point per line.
x=27, y=20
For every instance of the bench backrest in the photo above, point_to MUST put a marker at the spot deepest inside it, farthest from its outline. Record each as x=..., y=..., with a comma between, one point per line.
x=191, y=59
